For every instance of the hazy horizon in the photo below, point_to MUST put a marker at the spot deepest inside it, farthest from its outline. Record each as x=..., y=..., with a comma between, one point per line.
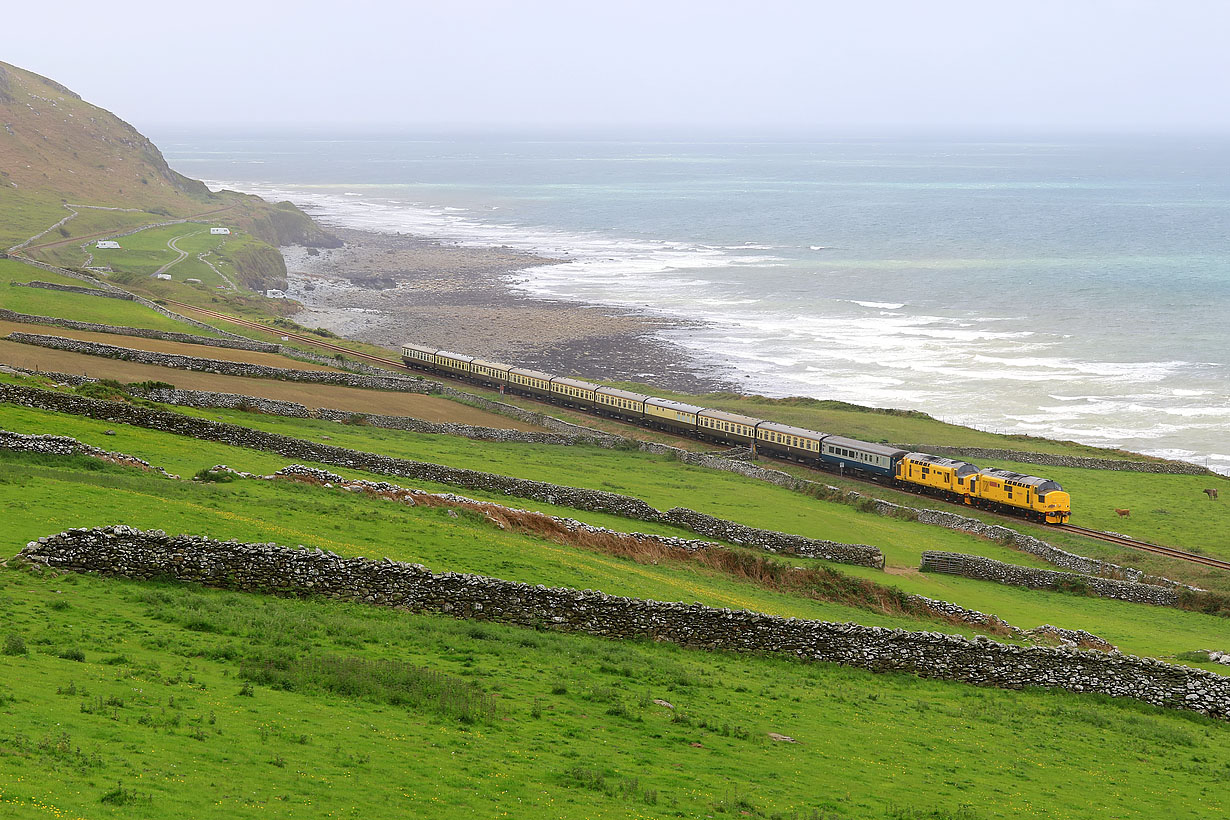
x=883, y=68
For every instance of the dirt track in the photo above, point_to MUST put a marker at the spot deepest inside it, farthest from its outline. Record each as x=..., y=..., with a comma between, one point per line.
x=428, y=408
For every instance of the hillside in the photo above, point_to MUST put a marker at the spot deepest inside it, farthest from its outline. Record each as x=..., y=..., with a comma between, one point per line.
x=56, y=149
x=156, y=698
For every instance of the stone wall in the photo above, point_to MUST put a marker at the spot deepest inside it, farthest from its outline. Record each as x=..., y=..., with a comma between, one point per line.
x=106, y=294
x=302, y=450
x=105, y=288
x=205, y=398
x=141, y=332
x=269, y=568
x=1052, y=460
x=986, y=569
x=65, y=446
x=257, y=371
x=227, y=401
x=771, y=541
x=71, y=274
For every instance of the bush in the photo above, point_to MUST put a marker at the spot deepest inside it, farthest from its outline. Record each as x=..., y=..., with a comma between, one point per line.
x=152, y=385
x=14, y=644
x=214, y=476
x=72, y=654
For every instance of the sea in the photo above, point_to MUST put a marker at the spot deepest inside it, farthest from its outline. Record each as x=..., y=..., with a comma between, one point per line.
x=1075, y=288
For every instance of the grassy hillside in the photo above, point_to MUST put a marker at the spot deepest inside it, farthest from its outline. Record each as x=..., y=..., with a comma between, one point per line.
x=147, y=700
x=354, y=527
x=60, y=154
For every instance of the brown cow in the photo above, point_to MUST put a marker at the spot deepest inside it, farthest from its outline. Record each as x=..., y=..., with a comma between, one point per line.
x=1124, y=513
x=1212, y=494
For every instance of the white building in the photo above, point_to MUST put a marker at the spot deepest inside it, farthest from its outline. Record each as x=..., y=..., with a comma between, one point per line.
x=107, y=245
x=165, y=276
x=220, y=231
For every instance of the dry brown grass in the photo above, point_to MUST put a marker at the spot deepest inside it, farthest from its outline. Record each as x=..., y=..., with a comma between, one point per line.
x=428, y=408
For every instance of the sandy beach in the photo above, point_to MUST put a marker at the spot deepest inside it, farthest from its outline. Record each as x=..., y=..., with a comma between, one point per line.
x=386, y=289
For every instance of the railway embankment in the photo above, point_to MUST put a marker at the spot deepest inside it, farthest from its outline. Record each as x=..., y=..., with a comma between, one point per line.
x=270, y=568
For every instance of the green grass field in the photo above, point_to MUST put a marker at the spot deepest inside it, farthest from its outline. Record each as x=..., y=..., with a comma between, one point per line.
x=1135, y=628
x=78, y=306
x=142, y=254
x=27, y=213
x=129, y=699
x=124, y=699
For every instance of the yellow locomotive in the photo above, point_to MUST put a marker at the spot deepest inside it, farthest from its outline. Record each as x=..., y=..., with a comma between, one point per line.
x=1040, y=499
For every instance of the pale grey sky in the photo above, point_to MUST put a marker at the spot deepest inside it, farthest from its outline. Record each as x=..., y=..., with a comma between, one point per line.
x=869, y=66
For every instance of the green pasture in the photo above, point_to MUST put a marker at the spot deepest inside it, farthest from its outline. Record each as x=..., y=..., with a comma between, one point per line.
x=660, y=481
x=78, y=306
x=144, y=700
x=1134, y=627
x=87, y=223
x=142, y=254
x=26, y=213
x=1165, y=509
x=13, y=271
x=54, y=499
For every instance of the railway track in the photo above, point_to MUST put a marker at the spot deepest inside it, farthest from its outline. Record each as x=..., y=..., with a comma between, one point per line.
x=1119, y=540
x=1144, y=546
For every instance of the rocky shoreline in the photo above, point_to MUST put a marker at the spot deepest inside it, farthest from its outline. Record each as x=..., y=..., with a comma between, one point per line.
x=389, y=288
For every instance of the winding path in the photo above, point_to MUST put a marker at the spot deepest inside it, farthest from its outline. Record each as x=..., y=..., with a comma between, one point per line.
x=182, y=254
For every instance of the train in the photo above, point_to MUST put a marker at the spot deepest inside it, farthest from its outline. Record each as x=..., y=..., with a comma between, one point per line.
x=1032, y=497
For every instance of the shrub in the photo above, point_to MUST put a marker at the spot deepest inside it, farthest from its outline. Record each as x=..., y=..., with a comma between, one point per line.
x=152, y=385
x=14, y=644
x=72, y=654
x=214, y=476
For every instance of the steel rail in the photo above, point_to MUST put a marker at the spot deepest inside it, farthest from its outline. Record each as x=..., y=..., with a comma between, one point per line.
x=1145, y=546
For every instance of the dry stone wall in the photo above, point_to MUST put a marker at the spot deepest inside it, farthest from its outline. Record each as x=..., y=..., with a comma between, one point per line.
x=141, y=332
x=269, y=568
x=987, y=569
x=65, y=446
x=772, y=541
x=106, y=288
x=302, y=450
x=258, y=371
x=105, y=294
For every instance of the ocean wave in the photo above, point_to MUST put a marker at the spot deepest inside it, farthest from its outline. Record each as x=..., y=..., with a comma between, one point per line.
x=880, y=305
x=779, y=332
